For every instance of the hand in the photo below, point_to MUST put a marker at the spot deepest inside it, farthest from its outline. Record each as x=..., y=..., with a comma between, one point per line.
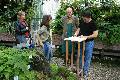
x=83, y=36
x=75, y=35
x=27, y=28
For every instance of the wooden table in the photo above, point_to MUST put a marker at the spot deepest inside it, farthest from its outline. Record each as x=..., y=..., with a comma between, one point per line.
x=75, y=39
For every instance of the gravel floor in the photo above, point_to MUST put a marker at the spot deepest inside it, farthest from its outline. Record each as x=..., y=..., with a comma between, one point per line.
x=105, y=70
x=100, y=69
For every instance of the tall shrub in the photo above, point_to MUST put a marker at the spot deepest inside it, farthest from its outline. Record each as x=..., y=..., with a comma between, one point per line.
x=107, y=17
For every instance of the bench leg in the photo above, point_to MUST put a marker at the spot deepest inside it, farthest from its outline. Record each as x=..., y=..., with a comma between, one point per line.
x=66, y=52
x=78, y=58
x=72, y=54
x=83, y=50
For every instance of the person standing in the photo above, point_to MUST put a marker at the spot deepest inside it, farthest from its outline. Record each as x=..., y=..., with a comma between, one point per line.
x=87, y=29
x=21, y=28
x=44, y=36
x=69, y=24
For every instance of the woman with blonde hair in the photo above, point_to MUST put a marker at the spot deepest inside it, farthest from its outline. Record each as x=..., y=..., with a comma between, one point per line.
x=21, y=28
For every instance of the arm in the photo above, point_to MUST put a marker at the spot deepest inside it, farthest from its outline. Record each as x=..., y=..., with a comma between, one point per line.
x=24, y=29
x=20, y=27
x=63, y=24
x=39, y=40
x=77, y=32
x=76, y=22
x=42, y=30
x=77, y=26
x=94, y=35
x=43, y=33
x=17, y=26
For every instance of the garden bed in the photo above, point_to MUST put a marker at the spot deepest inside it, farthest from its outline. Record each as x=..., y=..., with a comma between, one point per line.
x=7, y=39
x=109, y=50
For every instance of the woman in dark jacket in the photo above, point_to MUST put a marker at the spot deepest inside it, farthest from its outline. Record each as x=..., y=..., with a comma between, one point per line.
x=21, y=28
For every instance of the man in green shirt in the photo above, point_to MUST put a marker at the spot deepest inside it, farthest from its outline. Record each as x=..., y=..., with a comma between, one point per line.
x=69, y=23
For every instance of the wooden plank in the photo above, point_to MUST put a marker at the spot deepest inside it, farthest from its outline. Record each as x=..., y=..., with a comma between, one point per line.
x=72, y=54
x=66, y=52
x=78, y=58
x=83, y=50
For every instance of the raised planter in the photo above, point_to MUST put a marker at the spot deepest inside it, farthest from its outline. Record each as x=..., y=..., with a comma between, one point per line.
x=108, y=50
x=7, y=39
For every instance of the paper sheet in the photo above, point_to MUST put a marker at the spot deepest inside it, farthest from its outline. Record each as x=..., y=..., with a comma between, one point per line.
x=79, y=39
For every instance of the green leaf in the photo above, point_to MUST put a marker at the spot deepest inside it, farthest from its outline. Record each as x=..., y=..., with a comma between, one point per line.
x=2, y=67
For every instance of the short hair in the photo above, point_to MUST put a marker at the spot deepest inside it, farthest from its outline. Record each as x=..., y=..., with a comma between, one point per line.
x=87, y=14
x=45, y=20
x=21, y=13
x=69, y=8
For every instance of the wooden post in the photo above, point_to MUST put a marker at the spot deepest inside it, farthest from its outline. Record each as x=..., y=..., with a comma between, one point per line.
x=72, y=54
x=83, y=50
x=78, y=58
x=66, y=52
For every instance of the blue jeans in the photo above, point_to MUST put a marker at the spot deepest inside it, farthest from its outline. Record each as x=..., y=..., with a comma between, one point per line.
x=21, y=38
x=88, y=55
x=47, y=50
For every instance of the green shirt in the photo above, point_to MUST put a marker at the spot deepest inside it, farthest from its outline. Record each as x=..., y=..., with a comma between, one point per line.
x=68, y=24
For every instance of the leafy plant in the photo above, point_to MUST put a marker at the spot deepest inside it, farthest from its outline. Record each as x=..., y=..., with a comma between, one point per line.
x=30, y=13
x=61, y=73
x=54, y=69
x=110, y=33
x=14, y=62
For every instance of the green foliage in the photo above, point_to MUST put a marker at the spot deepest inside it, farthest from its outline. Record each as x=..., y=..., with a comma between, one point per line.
x=9, y=15
x=14, y=62
x=107, y=17
x=61, y=73
x=54, y=69
x=110, y=33
x=30, y=13
x=41, y=76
